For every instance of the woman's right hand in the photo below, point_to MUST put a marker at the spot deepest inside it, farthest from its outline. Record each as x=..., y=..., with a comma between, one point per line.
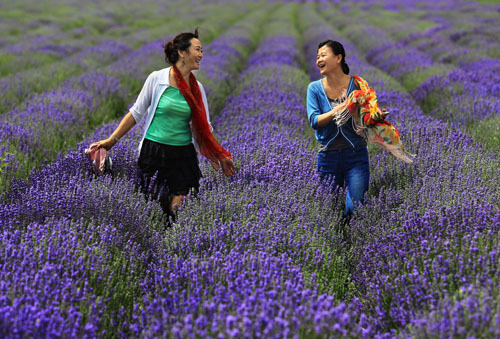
x=227, y=166
x=125, y=125
x=106, y=143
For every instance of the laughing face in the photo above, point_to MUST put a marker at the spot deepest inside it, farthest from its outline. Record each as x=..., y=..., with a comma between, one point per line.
x=192, y=57
x=326, y=60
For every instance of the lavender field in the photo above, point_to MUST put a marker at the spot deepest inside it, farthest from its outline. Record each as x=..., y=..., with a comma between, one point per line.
x=265, y=253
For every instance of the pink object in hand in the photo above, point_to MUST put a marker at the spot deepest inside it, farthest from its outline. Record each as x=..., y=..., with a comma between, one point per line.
x=99, y=158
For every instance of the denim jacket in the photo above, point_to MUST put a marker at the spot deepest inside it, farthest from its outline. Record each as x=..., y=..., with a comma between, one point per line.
x=147, y=101
x=318, y=103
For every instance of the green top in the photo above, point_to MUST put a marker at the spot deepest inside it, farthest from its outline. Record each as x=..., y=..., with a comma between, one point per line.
x=170, y=123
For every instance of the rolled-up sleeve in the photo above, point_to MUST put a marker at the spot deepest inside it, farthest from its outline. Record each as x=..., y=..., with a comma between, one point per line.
x=313, y=108
x=140, y=108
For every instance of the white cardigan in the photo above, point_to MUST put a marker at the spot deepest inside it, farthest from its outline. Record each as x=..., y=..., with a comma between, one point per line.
x=147, y=101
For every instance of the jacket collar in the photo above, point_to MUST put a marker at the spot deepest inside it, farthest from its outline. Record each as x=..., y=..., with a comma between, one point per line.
x=164, y=76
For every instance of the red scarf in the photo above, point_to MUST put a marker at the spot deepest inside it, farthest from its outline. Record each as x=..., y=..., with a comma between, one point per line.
x=207, y=143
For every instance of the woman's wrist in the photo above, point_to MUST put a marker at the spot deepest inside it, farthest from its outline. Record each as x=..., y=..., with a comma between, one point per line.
x=115, y=139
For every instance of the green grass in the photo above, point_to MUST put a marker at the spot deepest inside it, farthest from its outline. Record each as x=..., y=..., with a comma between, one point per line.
x=14, y=14
x=493, y=52
x=487, y=133
x=404, y=29
x=10, y=63
x=412, y=79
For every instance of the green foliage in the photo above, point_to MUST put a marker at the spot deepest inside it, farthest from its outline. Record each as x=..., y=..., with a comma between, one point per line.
x=487, y=133
x=493, y=52
x=415, y=77
x=333, y=274
x=3, y=161
x=13, y=13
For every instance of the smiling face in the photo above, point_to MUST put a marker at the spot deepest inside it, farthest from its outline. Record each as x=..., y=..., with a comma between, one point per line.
x=327, y=61
x=192, y=57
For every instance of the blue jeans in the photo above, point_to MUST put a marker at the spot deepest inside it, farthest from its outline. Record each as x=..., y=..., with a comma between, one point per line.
x=349, y=168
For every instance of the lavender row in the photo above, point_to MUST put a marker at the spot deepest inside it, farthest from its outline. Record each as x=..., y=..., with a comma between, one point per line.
x=16, y=88
x=109, y=228
x=457, y=32
x=429, y=231
x=58, y=29
x=227, y=55
x=34, y=40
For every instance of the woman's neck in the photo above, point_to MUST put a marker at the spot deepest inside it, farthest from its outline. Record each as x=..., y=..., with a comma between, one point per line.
x=184, y=71
x=336, y=79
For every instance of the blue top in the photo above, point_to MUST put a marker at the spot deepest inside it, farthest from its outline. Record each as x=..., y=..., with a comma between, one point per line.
x=318, y=103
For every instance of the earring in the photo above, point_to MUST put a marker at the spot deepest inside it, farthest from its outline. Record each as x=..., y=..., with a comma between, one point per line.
x=183, y=63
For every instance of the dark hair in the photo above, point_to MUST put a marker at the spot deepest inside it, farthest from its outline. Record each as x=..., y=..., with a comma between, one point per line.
x=180, y=43
x=337, y=49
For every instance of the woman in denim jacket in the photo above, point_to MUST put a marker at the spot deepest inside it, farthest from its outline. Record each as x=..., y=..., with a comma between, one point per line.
x=343, y=154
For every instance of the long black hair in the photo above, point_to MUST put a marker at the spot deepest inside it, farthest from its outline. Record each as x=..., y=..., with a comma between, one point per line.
x=337, y=49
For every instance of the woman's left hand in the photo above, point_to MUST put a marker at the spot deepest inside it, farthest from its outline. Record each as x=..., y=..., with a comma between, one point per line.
x=380, y=115
x=227, y=166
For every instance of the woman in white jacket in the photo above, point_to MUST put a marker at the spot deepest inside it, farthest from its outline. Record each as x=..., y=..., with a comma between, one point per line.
x=177, y=124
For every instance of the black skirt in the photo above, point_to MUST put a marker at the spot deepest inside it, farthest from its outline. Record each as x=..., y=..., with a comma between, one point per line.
x=166, y=169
